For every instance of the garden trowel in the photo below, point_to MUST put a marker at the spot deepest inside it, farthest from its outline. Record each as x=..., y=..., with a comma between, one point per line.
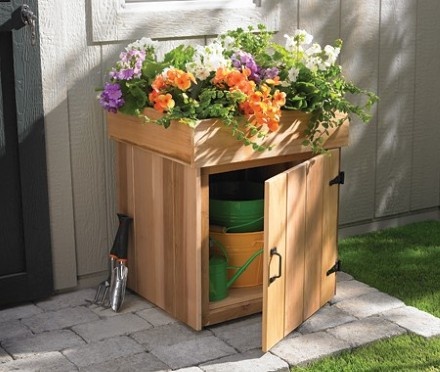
x=119, y=275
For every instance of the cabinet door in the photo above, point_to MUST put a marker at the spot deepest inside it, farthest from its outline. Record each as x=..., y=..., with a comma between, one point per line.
x=301, y=217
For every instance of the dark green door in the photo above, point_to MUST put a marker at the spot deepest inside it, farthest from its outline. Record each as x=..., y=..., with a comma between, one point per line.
x=25, y=252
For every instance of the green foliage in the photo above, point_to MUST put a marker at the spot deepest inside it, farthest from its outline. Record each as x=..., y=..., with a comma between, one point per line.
x=298, y=76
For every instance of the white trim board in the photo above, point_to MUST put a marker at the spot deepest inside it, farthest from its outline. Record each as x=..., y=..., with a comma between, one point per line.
x=116, y=20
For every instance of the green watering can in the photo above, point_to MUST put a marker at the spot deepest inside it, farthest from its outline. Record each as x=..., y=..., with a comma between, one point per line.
x=218, y=272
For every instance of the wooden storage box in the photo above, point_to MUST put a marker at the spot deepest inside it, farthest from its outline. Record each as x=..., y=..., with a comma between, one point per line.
x=163, y=182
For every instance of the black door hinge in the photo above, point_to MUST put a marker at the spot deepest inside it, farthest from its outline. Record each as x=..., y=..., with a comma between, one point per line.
x=338, y=180
x=336, y=267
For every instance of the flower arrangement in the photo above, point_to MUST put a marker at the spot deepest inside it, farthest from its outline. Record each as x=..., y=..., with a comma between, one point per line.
x=242, y=77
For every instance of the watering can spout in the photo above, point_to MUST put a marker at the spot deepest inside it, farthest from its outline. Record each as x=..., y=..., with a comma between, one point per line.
x=241, y=270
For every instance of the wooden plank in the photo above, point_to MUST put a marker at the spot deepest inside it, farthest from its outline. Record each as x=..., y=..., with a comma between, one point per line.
x=210, y=143
x=359, y=58
x=425, y=191
x=239, y=303
x=188, y=251
x=275, y=220
x=174, y=142
x=152, y=253
x=330, y=226
x=313, y=252
x=295, y=247
x=126, y=205
x=204, y=196
x=169, y=237
x=395, y=116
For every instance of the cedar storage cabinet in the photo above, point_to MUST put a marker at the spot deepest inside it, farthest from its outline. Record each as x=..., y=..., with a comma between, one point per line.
x=163, y=183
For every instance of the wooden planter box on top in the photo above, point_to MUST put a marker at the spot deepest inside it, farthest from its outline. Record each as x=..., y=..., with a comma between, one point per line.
x=163, y=183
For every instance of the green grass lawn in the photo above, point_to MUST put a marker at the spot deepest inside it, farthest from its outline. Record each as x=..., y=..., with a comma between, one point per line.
x=405, y=263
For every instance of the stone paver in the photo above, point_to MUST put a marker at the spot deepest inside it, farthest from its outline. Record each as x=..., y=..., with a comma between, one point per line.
x=369, y=304
x=13, y=329
x=59, y=319
x=47, y=362
x=307, y=348
x=70, y=334
x=123, y=324
x=342, y=277
x=4, y=356
x=70, y=299
x=254, y=361
x=192, y=352
x=243, y=335
x=167, y=335
x=131, y=304
x=19, y=312
x=350, y=289
x=23, y=347
x=366, y=330
x=156, y=317
x=414, y=320
x=326, y=317
x=142, y=362
x=102, y=351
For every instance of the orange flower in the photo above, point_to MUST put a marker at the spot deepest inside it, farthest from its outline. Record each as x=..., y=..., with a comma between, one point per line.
x=163, y=102
x=279, y=98
x=158, y=82
x=179, y=78
x=183, y=80
x=234, y=78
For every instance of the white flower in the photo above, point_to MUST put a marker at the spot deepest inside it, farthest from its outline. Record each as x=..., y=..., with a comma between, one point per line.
x=207, y=59
x=143, y=44
x=228, y=43
x=331, y=54
x=314, y=50
x=293, y=74
x=302, y=37
x=290, y=43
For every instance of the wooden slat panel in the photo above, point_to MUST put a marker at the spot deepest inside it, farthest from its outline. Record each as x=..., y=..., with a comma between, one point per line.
x=295, y=247
x=330, y=226
x=312, y=260
x=187, y=245
x=204, y=196
x=274, y=236
x=168, y=235
x=126, y=204
x=152, y=254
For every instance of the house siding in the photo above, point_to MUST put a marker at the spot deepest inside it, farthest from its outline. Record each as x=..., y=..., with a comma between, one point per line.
x=392, y=164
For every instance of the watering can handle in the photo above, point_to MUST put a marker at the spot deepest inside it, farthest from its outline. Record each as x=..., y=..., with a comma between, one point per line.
x=273, y=252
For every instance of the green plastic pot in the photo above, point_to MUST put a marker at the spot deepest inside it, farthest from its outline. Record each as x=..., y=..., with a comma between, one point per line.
x=237, y=206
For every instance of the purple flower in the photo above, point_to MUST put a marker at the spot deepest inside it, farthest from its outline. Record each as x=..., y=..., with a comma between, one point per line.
x=243, y=59
x=111, y=97
x=269, y=73
x=129, y=66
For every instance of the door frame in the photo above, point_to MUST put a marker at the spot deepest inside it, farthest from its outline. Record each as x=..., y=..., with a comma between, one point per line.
x=36, y=281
